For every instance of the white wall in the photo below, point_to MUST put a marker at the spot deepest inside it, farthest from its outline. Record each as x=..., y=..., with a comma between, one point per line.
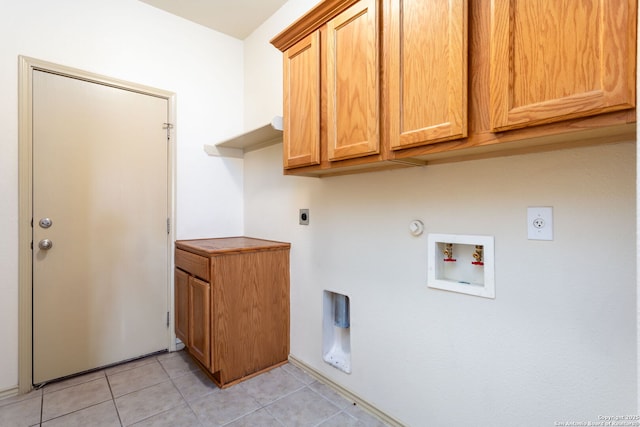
x=129, y=40
x=558, y=343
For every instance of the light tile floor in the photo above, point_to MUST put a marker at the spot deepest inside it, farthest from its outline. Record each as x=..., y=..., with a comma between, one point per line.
x=170, y=390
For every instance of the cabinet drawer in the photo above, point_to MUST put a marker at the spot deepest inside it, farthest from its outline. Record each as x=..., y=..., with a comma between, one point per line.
x=193, y=264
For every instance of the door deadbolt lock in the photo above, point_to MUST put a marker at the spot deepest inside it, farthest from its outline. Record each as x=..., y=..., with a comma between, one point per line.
x=45, y=244
x=45, y=222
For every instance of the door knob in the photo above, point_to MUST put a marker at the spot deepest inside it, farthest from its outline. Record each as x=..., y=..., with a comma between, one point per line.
x=45, y=244
x=45, y=222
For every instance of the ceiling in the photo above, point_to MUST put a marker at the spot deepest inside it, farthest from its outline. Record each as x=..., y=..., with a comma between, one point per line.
x=237, y=18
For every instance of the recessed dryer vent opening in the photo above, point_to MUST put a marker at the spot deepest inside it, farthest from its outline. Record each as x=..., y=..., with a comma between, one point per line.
x=462, y=263
x=336, y=331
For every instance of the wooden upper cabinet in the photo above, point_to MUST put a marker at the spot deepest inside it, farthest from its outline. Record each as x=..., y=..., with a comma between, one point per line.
x=374, y=84
x=426, y=71
x=352, y=82
x=301, y=72
x=561, y=59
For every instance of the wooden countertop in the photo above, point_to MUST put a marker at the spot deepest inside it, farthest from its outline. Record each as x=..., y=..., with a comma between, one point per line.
x=208, y=247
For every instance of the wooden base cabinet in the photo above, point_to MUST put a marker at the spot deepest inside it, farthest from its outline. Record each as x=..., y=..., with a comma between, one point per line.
x=232, y=305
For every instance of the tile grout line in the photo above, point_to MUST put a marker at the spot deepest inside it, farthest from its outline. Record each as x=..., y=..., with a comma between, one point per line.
x=41, y=390
x=189, y=406
x=272, y=414
x=245, y=414
x=302, y=387
x=340, y=410
x=317, y=392
x=62, y=382
x=170, y=379
x=118, y=369
x=42, y=420
x=331, y=402
x=41, y=406
x=143, y=388
x=76, y=411
x=260, y=405
x=113, y=399
x=199, y=398
x=300, y=379
x=175, y=386
x=183, y=396
x=349, y=405
x=186, y=401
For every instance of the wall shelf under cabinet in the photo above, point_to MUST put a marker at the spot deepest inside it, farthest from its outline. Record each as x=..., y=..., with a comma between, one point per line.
x=261, y=137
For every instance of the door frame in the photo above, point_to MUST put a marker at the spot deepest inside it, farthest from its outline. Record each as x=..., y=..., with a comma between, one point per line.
x=25, y=198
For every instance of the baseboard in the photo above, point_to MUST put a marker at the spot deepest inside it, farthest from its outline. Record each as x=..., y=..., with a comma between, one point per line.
x=8, y=392
x=344, y=392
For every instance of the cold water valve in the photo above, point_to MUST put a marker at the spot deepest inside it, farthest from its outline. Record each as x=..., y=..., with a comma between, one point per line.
x=477, y=256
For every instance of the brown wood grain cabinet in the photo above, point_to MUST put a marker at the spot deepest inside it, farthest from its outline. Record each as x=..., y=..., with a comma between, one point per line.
x=301, y=72
x=181, y=299
x=200, y=321
x=426, y=72
x=551, y=61
x=410, y=82
x=331, y=99
x=352, y=82
x=235, y=293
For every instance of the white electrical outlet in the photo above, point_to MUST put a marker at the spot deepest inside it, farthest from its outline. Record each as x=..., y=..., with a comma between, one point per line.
x=304, y=216
x=540, y=223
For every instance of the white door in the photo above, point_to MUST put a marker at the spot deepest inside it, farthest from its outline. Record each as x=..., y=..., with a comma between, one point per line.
x=100, y=176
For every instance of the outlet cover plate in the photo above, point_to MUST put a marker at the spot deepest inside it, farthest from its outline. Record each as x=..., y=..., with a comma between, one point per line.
x=540, y=223
x=304, y=216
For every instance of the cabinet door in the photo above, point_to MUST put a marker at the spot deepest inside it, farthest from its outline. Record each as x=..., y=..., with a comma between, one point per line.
x=301, y=72
x=555, y=60
x=352, y=82
x=181, y=299
x=427, y=71
x=200, y=320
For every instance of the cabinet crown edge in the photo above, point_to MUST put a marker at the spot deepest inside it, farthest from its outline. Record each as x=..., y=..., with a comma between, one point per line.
x=310, y=21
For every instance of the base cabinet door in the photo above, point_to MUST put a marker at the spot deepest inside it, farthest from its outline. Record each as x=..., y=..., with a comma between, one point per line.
x=200, y=320
x=181, y=299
